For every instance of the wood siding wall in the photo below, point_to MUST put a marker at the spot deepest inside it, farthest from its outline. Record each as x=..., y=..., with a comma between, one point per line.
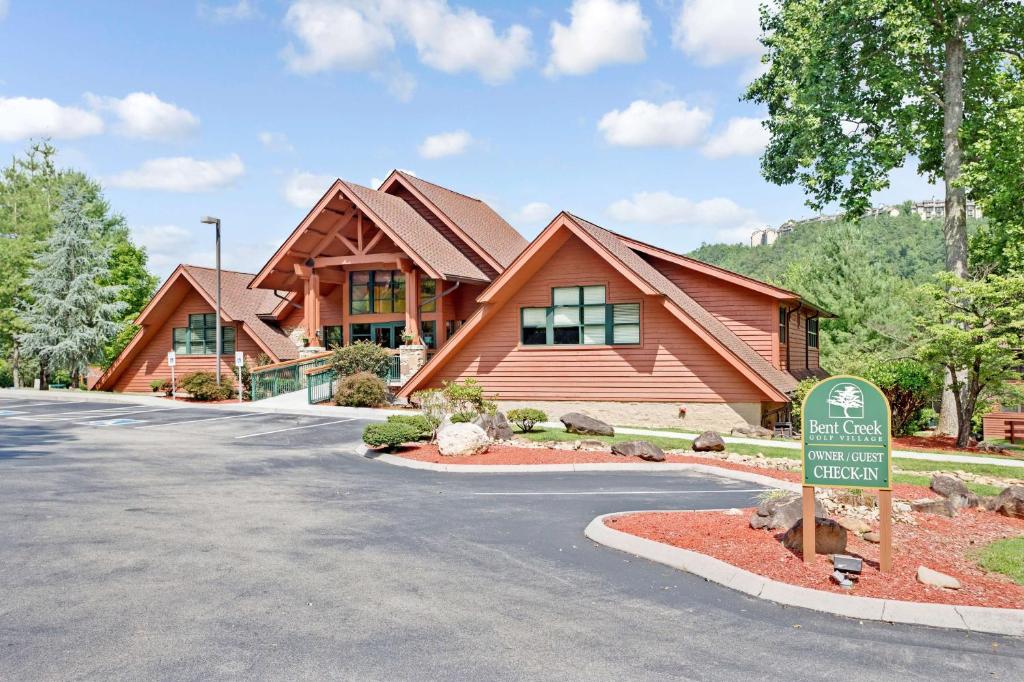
x=670, y=365
x=750, y=315
x=150, y=363
x=800, y=356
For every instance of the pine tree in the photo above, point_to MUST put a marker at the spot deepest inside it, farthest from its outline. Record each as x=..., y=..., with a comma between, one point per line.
x=73, y=313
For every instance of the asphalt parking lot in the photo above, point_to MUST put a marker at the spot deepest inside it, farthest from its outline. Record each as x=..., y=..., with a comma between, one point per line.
x=191, y=543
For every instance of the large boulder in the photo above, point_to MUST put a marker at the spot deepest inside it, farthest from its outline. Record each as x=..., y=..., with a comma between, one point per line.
x=781, y=512
x=751, y=431
x=829, y=537
x=709, y=441
x=495, y=425
x=586, y=426
x=458, y=440
x=954, y=490
x=1010, y=502
x=942, y=507
x=639, y=448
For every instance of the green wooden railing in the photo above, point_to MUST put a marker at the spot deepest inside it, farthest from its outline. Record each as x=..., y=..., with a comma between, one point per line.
x=394, y=370
x=320, y=386
x=283, y=377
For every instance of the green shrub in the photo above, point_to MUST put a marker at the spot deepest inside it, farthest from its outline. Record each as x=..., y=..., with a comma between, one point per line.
x=6, y=374
x=362, y=389
x=433, y=405
x=422, y=425
x=203, y=386
x=910, y=386
x=157, y=385
x=390, y=434
x=526, y=418
x=799, y=394
x=361, y=356
x=467, y=398
x=462, y=417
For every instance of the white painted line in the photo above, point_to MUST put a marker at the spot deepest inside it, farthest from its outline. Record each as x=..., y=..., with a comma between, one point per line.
x=59, y=402
x=293, y=428
x=631, y=492
x=93, y=414
x=204, y=419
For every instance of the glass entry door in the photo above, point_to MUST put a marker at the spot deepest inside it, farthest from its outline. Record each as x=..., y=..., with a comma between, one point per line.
x=387, y=334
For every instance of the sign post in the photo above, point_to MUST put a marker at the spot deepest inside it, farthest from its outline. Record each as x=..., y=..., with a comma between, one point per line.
x=847, y=443
x=239, y=361
x=171, y=359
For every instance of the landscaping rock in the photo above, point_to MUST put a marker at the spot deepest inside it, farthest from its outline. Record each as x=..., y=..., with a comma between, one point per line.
x=872, y=536
x=1010, y=502
x=941, y=507
x=751, y=431
x=985, y=446
x=639, y=448
x=954, y=490
x=455, y=440
x=591, y=444
x=855, y=525
x=708, y=441
x=495, y=425
x=781, y=512
x=927, y=576
x=829, y=537
x=586, y=426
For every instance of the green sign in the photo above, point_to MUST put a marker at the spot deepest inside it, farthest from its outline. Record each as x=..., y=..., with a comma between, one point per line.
x=846, y=434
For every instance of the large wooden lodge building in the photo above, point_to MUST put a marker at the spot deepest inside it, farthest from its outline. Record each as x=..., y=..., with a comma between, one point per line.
x=579, y=319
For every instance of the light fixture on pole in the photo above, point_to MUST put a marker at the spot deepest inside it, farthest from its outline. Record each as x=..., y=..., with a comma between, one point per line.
x=210, y=220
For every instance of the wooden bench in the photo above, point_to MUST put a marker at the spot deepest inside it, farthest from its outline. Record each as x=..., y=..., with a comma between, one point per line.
x=1016, y=430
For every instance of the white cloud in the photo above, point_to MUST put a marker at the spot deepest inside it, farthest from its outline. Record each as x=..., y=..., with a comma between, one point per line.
x=3, y=9
x=741, y=137
x=302, y=190
x=360, y=34
x=601, y=32
x=144, y=115
x=166, y=245
x=535, y=212
x=718, y=31
x=25, y=117
x=232, y=11
x=182, y=174
x=729, y=221
x=644, y=124
x=445, y=144
x=275, y=142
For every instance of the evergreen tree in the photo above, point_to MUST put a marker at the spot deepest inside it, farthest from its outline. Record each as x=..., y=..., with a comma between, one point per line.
x=73, y=313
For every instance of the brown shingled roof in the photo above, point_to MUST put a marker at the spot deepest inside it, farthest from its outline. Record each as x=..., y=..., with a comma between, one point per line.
x=474, y=217
x=245, y=305
x=616, y=245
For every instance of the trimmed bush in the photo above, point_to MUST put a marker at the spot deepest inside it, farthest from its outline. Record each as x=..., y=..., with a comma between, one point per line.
x=909, y=386
x=362, y=389
x=462, y=417
x=390, y=434
x=467, y=398
x=417, y=421
x=157, y=385
x=361, y=356
x=526, y=418
x=203, y=386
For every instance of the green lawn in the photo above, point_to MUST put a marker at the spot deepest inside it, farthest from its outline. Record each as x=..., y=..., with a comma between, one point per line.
x=1006, y=557
x=906, y=465
x=976, y=488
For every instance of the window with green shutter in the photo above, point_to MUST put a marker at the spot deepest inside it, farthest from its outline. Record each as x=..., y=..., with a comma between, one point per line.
x=580, y=316
x=200, y=337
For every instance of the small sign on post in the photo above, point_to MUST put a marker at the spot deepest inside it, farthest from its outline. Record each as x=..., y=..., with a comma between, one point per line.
x=239, y=363
x=847, y=443
x=171, y=359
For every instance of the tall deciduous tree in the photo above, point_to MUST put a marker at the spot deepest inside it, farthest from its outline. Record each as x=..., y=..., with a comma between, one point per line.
x=855, y=88
x=73, y=314
x=975, y=330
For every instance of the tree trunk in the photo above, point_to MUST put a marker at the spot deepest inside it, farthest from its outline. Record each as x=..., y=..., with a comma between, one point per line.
x=955, y=223
x=44, y=384
x=16, y=366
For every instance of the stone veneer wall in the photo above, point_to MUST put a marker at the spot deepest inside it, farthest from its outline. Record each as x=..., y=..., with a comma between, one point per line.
x=699, y=416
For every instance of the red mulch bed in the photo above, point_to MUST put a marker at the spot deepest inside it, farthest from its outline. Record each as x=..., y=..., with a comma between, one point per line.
x=943, y=443
x=937, y=542
x=504, y=454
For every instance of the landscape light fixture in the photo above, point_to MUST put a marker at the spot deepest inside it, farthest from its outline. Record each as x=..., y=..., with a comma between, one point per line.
x=845, y=567
x=210, y=220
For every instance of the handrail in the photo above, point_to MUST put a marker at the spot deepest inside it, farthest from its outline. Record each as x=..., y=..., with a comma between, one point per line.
x=288, y=363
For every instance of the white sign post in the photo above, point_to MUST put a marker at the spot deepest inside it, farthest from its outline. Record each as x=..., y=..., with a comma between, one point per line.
x=171, y=359
x=239, y=362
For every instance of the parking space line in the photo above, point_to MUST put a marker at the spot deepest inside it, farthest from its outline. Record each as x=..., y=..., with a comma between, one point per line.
x=94, y=414
x=293, y=428
x=204, y=419
x=57, y=402
x=629, y=492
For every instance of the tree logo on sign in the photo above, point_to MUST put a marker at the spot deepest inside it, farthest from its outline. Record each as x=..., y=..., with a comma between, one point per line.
x=846, y=401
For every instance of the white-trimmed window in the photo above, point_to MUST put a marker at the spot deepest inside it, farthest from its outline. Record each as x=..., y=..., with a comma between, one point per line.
x=812, y=332
x=580, y=316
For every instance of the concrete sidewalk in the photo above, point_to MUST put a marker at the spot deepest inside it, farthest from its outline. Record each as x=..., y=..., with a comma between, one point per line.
x=796, y=445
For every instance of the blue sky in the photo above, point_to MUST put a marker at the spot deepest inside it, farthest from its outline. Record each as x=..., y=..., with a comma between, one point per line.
x=623, y=111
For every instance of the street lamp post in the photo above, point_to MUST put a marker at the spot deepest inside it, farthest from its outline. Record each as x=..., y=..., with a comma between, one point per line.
x=210, y=220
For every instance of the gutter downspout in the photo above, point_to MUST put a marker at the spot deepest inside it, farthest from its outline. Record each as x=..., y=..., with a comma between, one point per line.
x=444, y=293
x=807, y=348
x=789, y=344
x=285, y=299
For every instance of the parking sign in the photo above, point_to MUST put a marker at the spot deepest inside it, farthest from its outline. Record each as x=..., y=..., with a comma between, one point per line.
x=239, y=358
x=170, y=358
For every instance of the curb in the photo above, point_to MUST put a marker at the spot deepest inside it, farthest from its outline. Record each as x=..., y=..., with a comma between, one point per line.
x=747, y=477
x=970, y=618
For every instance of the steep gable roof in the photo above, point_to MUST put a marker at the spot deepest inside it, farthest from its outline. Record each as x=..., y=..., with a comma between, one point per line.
x=477, y=223
x=774, y=382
